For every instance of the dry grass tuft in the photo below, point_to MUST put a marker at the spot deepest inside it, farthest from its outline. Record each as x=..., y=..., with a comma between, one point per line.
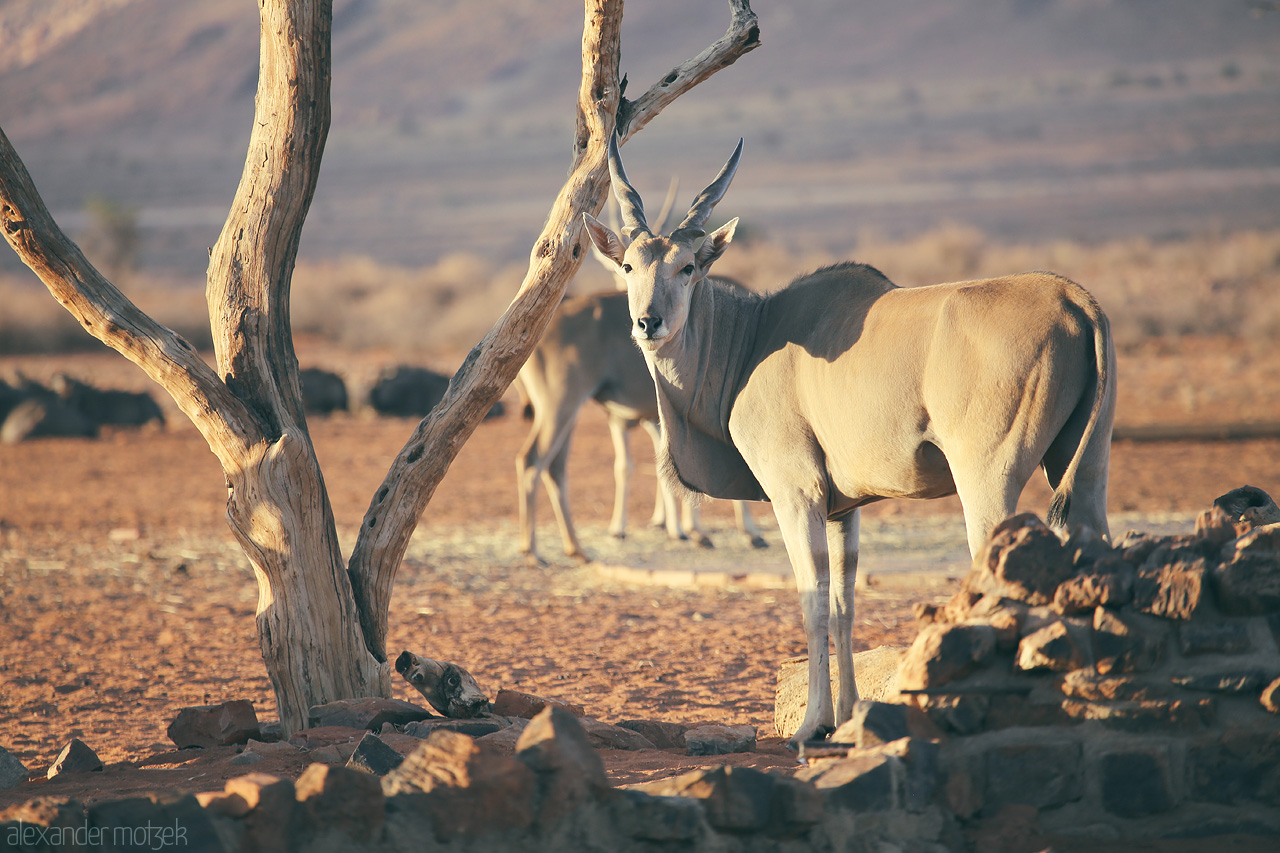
x=1208, y=285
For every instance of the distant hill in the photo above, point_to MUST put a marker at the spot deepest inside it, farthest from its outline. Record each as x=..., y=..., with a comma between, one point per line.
x=1028, y=118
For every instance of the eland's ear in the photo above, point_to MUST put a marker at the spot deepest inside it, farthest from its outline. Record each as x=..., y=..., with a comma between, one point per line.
x=606, y=242
x=715, y=244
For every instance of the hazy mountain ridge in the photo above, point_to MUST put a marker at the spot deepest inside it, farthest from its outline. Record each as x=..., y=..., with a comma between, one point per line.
x=452, y=118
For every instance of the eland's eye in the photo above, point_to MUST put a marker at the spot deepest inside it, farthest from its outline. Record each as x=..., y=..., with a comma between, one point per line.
x=626, y=267
x=688, y=270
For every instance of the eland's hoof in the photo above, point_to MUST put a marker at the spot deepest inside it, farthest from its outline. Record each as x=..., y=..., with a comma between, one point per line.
x=759, y=542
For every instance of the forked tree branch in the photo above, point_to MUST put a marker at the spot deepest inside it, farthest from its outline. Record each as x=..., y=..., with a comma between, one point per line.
x=112, y=318
x=743, y=36
x=494, y=362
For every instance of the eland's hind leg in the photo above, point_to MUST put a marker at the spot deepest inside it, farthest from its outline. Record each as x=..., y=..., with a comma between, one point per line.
x=988, y=487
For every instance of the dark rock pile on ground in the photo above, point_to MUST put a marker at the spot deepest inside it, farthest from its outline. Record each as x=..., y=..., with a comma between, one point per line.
x=1126, y=690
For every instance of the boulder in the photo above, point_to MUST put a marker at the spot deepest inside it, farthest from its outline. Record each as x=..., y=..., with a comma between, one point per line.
x=720, y=740
x=76, y=757
x=661, y=734
x=1176, y=590
x=734, y=799
x=943, y=653
x=12, y=771
x=1123, y=644
x=374, y=756
x=860, y=783
x=1088, y=685
x=1022, y=559
x=477, y=727
x=215, y=725
x=368, y=713
x=876, y=723
x=875, y=674
x=607, y=736
x=1247, y=582
x=1052, y=648
x=465, y=787
x=271, y=802
x=513, y=703
x=1085, y=592
x=340, y=801
x=569, y=772
x=1042, y=775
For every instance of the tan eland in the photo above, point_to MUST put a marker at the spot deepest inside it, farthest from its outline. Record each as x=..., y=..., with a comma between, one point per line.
x=587, y=354
x=842, y=389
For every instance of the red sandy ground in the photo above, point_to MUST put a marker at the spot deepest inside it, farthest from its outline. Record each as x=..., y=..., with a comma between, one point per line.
x=123, y=599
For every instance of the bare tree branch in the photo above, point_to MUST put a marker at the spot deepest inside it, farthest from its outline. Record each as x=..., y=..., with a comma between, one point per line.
x=743, y=36
x=112, y=318
x=494, y=362
x=251, y=265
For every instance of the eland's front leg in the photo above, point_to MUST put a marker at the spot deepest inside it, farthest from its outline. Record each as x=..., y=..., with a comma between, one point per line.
x=803, y=528
x=842, y=540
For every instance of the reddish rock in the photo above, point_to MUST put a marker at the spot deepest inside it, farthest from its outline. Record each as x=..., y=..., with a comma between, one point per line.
x=215, y=725
x=326, y=736
x=942, y=653
x=255, y=787
x=1174, y=590
x=1216, y=525
x=76, y=757
x=467, y=788
x=1083, y=593
x=962, y=796
x=860, y=783
x=1083, y=684
x=1148, y=716
x=878, y=723
x=1043, y=775
x=513, y=703
x=1124, y=646
x=1051, y=648
x=1025, y=560
x=1010, y=828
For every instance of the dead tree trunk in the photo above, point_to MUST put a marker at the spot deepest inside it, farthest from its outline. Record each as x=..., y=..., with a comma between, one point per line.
x=322, y=624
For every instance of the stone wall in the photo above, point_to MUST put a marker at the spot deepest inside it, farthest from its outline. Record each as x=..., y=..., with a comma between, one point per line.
x=1126, y=691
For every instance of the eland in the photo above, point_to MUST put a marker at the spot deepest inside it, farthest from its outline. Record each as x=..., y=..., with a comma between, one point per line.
x=842, y=389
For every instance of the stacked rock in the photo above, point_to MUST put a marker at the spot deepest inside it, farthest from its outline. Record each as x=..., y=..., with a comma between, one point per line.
x=1151, y=631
